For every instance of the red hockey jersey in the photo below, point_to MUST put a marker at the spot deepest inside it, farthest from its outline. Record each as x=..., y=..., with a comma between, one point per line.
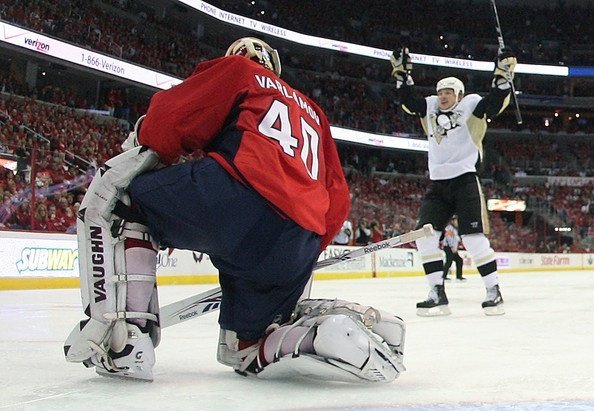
x=262, y=131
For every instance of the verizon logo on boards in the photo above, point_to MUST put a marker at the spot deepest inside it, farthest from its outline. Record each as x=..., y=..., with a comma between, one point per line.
x=37, y=45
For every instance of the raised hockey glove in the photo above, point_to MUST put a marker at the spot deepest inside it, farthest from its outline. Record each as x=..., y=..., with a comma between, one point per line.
x=401, y=67
x=132, y=140
x=505, y=64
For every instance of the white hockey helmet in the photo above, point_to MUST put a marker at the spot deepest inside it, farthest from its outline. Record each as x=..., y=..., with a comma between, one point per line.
x=258, y=51
x=451, y=82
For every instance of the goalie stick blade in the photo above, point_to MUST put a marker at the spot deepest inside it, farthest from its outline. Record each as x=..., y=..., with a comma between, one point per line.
x=209, y=301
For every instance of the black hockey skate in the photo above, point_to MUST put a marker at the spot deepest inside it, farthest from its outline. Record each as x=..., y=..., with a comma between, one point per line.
x=435, y=305
x=493, y=304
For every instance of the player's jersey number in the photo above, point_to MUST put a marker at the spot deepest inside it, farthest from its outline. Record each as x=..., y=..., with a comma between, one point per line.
x=276, y=124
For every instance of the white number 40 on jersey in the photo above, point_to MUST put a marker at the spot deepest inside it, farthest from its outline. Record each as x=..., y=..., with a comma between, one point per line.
x=276, y=124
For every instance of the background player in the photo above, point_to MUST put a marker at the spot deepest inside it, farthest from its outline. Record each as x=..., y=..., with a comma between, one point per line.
x=455, y=125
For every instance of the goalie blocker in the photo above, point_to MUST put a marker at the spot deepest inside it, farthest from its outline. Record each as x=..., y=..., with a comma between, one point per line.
x=117, y=275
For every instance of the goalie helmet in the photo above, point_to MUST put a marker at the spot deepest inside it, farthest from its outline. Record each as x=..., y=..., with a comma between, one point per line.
x=258, y=51
x=452, y=83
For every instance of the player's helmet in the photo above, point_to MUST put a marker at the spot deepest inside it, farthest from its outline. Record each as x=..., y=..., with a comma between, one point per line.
x=451, y=82
x=256, y=50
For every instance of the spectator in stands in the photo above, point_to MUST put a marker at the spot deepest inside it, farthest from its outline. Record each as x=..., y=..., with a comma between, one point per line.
x=41, y=219
x=21, y=218
x=6, y=209
x=62, y=205
x=55, y=223
x=362, y=233
x=56, y=171
x=70, y=221
x=377, y=233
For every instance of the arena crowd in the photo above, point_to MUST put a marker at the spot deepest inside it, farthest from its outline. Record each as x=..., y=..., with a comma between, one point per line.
x=386, y=185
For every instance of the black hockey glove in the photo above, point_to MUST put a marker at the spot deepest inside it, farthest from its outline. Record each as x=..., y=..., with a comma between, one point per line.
x=401, y=67
x=505, y=64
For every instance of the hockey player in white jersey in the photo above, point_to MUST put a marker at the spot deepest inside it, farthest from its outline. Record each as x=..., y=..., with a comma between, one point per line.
x=455, y=125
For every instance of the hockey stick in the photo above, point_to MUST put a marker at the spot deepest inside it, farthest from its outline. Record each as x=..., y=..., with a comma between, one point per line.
x=501, y=47
x=210, y=300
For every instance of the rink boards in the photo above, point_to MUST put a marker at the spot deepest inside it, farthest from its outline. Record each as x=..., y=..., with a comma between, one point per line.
x=40, y=260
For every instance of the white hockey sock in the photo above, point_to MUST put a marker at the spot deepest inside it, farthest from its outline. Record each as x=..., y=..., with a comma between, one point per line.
x=434, y=279
x=140, y=259
x=432, y=259
x=491, y=280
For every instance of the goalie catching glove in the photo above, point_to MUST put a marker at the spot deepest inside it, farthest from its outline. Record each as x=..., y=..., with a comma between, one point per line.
x=505, y=64
x=402, y=67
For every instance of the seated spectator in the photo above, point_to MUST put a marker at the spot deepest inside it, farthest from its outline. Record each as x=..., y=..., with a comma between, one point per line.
x=21, y=218
x=6, y=209
x=41, y=219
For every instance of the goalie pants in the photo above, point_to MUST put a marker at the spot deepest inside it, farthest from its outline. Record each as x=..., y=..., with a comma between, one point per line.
x=264, y=259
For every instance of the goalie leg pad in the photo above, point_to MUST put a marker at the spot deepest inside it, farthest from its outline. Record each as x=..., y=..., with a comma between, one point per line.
x=344, y=349
x=389, y=327
x=101, y=255
x=105, y=276
x=121, y=343
x=114, y=177
x=76, y=348
x=327, y=339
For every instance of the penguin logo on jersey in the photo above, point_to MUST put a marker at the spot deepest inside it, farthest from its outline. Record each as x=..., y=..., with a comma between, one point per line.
x=444, y=121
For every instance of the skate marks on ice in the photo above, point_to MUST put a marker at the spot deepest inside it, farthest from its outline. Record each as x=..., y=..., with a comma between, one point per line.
x=536, y=356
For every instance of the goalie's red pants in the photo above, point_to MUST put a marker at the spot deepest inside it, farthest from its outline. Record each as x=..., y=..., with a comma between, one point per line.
x=264, y=259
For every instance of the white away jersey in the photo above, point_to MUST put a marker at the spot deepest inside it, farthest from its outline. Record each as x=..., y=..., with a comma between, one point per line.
x=455, y=138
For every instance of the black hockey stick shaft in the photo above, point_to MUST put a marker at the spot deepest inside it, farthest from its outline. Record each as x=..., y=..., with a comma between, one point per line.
x=501, y=47
x=209, y=301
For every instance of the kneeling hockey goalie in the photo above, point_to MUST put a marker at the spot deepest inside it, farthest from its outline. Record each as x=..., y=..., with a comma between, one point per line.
x=268, y=196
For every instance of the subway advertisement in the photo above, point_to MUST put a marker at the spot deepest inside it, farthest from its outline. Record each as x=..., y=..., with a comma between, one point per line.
x=44, y=260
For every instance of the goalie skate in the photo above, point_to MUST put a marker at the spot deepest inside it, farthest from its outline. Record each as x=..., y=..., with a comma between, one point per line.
x=493, y=304
x=435, y=305
x=135, y=360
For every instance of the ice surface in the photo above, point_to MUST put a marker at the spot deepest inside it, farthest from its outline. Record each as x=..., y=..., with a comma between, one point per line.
x=538, y=356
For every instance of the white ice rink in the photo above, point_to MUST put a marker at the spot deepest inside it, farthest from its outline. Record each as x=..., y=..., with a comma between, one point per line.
x=539, y=356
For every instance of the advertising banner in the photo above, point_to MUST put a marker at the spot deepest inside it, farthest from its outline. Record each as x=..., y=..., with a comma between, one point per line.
x=44, y=260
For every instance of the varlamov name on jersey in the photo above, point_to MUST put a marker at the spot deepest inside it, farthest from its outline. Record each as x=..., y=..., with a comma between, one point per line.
x=267, y=82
